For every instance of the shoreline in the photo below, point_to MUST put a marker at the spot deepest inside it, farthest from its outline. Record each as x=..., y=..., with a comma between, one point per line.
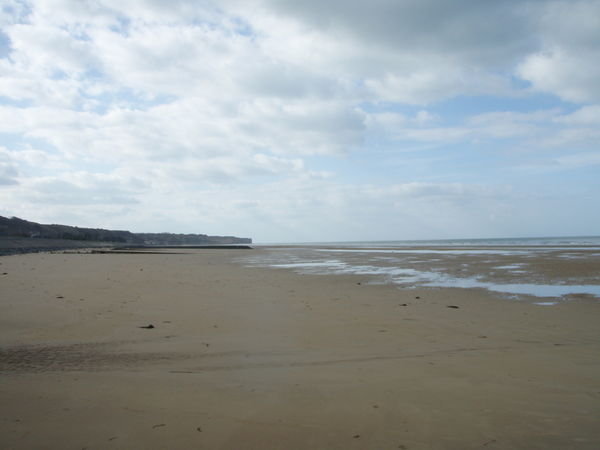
x=536, y=272
x=257, y=357
x=17, y=246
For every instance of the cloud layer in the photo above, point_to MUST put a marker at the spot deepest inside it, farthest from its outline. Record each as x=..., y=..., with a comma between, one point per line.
x=301, y=120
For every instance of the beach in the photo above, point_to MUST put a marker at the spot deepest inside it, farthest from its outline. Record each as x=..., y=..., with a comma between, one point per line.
x=221, y=349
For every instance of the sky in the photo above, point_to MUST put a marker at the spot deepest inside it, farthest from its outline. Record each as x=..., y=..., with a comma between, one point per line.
x=299, y=121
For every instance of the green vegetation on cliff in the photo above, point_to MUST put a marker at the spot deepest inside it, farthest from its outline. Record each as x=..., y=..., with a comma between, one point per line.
x=15, y=227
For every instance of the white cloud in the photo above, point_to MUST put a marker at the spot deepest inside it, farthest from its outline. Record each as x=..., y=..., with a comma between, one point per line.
x=46, y=49
x=253, y=112
x=565, y=64
x=425, y=26
x=534, y=130
x=437, y=81
x=510, y=124
x=227, y=170
x=86, y=191
x=572, y=76
x=580, y=160
x=12, y=11
x=415, y=52
x=8, y=169
x=587, y=115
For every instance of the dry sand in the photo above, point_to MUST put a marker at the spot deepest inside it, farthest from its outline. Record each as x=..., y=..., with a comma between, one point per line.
x=257, y=358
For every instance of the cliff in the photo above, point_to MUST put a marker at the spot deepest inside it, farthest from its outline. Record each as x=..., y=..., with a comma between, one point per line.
x=15, y=227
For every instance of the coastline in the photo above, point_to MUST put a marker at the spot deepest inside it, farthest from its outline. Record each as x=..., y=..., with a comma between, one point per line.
x=10, y=245
x=554, y=273
x=258, y=357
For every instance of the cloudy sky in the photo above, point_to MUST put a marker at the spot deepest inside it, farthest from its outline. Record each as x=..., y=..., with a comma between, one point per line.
x=312, y=120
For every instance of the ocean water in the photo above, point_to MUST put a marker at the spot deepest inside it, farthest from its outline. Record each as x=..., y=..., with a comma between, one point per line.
x=521, y=268
x=490, y=242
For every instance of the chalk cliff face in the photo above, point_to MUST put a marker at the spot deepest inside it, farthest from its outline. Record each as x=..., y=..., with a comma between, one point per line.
x=15, y=227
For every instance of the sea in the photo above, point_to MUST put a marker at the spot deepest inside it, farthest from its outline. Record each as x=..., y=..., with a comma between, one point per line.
x=543, y=270
x=480, y=242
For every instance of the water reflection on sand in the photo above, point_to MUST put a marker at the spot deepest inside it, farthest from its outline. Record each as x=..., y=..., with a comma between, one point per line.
x=548, y=272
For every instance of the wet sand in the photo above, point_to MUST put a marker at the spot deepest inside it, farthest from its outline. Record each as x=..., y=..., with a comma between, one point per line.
x=258, y=358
